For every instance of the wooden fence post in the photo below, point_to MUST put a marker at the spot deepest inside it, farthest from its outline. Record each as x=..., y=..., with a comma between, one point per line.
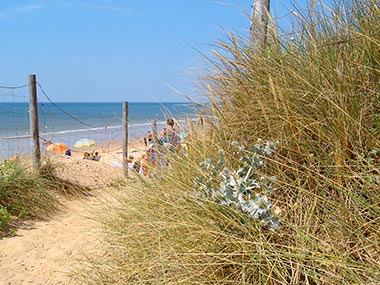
x=33, y=122
x=125, y=138
x=259, y=25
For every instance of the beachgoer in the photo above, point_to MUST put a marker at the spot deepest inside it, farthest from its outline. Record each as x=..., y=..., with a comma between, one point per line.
x=148, y=139
x=130, y=159
x=149, y=136
x=146, y=164
x=86, y=155
x=68, y=152
x=96, y=156
x=130, y=162
x=137, y=166
x=169, y=137
x=152, y=154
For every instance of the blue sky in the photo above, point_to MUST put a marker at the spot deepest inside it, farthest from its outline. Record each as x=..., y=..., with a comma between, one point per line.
x=113, y=51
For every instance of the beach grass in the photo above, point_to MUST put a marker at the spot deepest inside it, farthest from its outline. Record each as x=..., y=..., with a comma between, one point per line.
x=32, y=194
x=317, y=97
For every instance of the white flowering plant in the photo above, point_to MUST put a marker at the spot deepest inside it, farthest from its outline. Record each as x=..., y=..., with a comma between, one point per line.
x=243, y=188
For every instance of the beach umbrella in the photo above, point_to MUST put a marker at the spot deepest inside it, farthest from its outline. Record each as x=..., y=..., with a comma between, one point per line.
x=84, y=142
x=58, y=147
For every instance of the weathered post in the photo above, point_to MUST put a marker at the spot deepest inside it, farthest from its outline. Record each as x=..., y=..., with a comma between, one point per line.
x=125, y=138
x=33, y=120
x=259, y=24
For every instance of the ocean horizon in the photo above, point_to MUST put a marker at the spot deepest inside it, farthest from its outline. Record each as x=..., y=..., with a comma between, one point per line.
x=68, y=122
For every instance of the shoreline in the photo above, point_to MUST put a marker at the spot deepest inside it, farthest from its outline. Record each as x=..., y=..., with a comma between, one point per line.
x=103, y=138
x=106, y=137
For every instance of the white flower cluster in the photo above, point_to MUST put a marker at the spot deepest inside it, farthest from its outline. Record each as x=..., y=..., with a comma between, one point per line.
x=241, y=188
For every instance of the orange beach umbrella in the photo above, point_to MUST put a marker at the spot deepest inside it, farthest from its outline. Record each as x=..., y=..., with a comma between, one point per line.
x=58, y=147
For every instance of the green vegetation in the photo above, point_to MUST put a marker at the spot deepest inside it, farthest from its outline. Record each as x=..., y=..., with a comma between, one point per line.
x=30, y=194
x=318, y=96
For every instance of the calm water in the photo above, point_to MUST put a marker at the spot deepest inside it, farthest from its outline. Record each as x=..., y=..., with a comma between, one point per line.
x=68, y=122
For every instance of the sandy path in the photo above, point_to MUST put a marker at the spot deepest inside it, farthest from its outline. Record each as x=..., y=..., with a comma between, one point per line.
x=44, y=252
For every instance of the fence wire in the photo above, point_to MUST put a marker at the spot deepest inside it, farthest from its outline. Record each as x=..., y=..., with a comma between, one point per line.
x=66, y=124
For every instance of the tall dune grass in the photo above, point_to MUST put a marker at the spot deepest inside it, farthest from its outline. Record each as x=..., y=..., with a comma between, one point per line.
x=318, y=96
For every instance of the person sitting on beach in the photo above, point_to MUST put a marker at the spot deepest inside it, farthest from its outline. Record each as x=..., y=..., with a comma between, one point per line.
x=148, y=139
x=149, y=136
x=137, y=166
x=147, y=161
x=130, y=162
x=95, y=156
x=92, y=156
x=146, y=164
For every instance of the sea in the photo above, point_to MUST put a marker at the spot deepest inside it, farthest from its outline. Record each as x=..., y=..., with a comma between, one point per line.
x=69, y=122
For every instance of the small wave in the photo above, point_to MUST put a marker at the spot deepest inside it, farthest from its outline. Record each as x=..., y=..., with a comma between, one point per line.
x=81, y=130
x=16, y=137
x=131, y=126
x=105, y=128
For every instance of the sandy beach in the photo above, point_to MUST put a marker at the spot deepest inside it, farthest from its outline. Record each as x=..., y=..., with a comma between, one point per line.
x=43, y=252
x=95, y=173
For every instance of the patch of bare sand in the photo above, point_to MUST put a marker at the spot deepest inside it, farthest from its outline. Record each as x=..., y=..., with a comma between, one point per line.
x=95, y=173
x=44, y=252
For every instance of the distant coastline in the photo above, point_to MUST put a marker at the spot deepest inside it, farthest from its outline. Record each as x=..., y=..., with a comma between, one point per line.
x=69, y=121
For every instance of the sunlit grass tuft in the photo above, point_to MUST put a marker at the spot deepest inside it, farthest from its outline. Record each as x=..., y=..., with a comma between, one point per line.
x=25, y=192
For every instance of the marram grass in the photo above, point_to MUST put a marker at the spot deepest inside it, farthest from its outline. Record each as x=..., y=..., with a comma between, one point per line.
x=27, y=193
x=317, y=95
